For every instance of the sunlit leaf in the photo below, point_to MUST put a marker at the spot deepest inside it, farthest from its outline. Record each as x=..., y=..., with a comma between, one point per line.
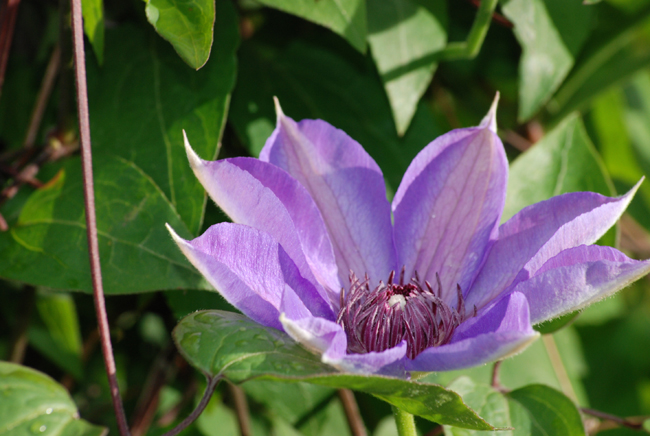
x=539, y=410
x=187, y=25
x=609, y=58
x=489, y=403
x=345, y=17
x=93, y=14
x=403, y=34
x=551, y=33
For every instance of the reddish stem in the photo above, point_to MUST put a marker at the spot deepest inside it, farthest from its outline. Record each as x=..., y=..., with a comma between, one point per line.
x=7, y=25
x=91, y=220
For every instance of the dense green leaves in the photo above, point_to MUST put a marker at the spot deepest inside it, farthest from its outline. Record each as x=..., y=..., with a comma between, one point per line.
x=613, y=55
x=345, y=17
x=144, y=97
x=34, y=404
x=187, y=25
x=229, y=345
x=136, y=251
x=534, y=410
x=403, y=36
x=551, y=33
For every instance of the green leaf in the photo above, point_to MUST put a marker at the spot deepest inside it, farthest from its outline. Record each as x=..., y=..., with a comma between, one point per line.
x=187, y=25
x=34, y=404
x=344, y=17
x=539, y=410
x=610, y=57
x=403, y=34
x=292, y=402
x=489, y=403
x=551, y=33
x=47, y=246
x=60, y=340
x=564, y=161
x=230, y=345
x=143, y=98
x=313, y=83
x=93, y=15
x=59, y=314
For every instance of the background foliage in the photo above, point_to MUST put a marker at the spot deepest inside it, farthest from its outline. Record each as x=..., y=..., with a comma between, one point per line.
x=574, y=115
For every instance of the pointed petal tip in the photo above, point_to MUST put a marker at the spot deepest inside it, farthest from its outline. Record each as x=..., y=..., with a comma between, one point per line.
x=179, y=241
x=192, y=157
x=629, y=195
x=278, y=108
x=490, y=119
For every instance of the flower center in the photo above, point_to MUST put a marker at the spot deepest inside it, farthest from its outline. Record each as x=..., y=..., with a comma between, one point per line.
x=379, y=319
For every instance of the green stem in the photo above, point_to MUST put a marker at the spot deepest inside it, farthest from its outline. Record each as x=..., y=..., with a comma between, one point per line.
x=470, y=48
x=405, y=422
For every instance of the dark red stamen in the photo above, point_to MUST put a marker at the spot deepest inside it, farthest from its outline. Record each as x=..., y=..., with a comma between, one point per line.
x=379, y=319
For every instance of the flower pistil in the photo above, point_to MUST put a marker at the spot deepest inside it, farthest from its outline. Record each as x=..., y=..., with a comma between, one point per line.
x=378, y=319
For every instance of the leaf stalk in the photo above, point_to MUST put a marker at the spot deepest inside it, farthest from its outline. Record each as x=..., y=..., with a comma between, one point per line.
x=405, y=422
x=472, y=46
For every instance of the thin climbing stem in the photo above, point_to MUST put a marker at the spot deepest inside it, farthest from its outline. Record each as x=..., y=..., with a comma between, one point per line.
x=209, y=390
x=405, y=422
x=352, y=412
x=496, y=380
x=8, y=13
x=91, y=219
x=469, y=48
x=241, y=409
x=623, y=422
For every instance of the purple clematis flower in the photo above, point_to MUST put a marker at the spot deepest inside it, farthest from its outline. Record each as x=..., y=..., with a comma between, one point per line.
x=431, y=282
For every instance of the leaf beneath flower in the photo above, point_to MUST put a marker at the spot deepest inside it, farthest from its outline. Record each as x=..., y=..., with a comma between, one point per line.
x=232, y=346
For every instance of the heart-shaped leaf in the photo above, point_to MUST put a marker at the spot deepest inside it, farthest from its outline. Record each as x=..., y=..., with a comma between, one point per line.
x=47, y=245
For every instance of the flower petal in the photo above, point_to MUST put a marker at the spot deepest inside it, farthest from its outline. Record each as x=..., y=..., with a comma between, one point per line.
x=253, y=272
x=578, y=277
x=501, y=331
x=267, y=198
x=539, y=232
x=449, y=204
x=348, y=187
x=328, y=338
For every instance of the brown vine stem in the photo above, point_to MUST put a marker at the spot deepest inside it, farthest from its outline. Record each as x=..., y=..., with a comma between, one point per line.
x=91, y=219
x=43, y=96
x=624, y=422
x=496, y=381
x=352, y=412
x=209, y=389
x=7, y=24
x=241, y=409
